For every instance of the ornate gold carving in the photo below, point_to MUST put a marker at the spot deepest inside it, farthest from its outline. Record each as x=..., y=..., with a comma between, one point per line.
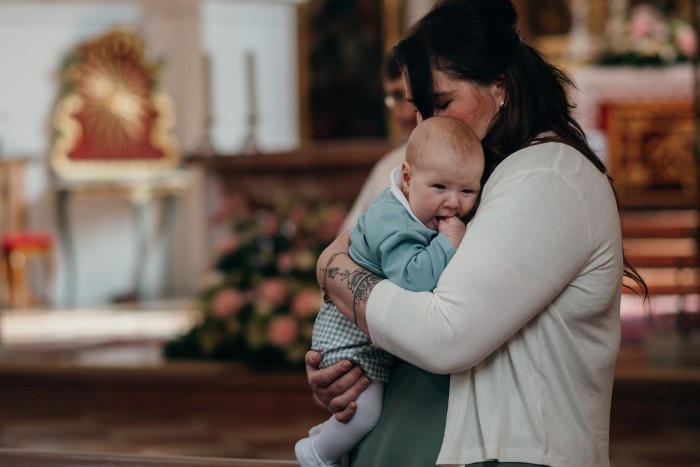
x=651, y=152
x=113, y=120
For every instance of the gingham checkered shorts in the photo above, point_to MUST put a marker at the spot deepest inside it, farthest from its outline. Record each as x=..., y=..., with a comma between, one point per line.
x=337, y=338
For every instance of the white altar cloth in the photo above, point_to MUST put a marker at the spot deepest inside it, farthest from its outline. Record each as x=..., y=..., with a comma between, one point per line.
x=600, y=84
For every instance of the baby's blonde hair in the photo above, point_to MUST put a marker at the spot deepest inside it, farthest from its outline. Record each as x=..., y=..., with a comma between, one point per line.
x=443, y=135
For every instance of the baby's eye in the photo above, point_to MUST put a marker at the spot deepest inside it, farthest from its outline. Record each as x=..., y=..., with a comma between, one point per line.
x=438, y=186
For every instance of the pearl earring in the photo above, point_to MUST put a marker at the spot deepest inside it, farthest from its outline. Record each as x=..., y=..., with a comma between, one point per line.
x=502, y=102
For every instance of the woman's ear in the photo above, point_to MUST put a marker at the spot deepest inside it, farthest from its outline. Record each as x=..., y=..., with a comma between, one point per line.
x=498, y=90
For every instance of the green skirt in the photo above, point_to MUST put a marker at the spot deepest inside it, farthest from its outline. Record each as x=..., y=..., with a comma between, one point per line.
x=412, y=424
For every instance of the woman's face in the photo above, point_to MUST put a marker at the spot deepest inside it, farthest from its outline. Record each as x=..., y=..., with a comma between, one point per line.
x=472, y=103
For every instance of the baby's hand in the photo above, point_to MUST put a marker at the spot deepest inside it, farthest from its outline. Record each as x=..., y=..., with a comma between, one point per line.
x=454, y=229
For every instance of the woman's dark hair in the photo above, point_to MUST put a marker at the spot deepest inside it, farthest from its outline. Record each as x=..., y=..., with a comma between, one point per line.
x=477, y=40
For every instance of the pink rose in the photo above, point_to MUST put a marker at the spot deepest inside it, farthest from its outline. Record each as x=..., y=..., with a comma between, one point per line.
x=306, y=303
x=686, y=41
x=227, y=302
x=235, y=205
x=644, y=20
x=273, y=291
x=285, y=262
x=282, y=331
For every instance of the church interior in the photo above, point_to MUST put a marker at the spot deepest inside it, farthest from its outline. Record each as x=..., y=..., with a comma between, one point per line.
x=170, y=171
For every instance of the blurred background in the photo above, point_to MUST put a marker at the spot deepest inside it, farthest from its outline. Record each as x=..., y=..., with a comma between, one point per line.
x=262, y=120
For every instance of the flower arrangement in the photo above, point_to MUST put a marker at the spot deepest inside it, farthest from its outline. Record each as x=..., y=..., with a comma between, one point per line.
x=650, y=35
x=261, y=297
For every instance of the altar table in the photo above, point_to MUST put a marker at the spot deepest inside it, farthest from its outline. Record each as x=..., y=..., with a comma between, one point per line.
x=641, y=121
x=598, y=85
x=139, y=193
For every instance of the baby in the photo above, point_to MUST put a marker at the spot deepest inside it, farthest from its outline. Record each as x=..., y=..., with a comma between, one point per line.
x=408, y=235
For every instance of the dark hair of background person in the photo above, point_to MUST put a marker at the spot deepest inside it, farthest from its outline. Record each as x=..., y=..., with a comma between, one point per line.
x=477, y=40
x=391, y=69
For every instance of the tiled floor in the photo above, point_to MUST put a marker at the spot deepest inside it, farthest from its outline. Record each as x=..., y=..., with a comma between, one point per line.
x=160, y=429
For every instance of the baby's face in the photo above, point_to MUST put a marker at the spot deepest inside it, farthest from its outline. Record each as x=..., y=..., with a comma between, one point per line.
x=438, y=188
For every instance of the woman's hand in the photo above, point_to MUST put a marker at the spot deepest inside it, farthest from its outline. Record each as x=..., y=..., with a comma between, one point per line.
x=336, y=387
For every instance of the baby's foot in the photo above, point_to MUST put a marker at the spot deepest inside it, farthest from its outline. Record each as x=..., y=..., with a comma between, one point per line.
x=308, y=456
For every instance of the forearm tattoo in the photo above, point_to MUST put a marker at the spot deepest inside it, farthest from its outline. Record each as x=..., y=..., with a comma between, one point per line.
x=360, y=283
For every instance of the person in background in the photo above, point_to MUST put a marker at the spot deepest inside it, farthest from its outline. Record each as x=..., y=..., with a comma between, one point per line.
x=404, y=114
x=510, y=360
x=408, y=235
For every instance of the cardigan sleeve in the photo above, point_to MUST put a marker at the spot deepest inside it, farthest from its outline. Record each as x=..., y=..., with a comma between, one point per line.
x=528, y=240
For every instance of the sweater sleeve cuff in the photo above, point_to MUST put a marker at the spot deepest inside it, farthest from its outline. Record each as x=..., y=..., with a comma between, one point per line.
x=377, y=311
x=446, y=245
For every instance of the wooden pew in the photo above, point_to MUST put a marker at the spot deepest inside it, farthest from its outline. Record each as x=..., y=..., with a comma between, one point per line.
x=28, y=458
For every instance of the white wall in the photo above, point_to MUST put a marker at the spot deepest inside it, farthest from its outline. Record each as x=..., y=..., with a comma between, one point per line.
x=35, y=36
x=268, y=32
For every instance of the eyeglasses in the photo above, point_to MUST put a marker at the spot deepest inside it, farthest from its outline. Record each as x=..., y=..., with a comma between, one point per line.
x=394, y=99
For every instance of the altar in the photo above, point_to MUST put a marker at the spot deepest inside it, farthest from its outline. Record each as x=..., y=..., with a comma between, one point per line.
x=599, y=85
x=641, y=119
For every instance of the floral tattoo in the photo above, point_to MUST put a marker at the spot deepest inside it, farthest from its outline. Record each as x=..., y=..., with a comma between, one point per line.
x=360, y=283
x=332, y=272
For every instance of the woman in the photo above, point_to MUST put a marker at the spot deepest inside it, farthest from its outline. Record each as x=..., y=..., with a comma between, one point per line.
x=525, y=319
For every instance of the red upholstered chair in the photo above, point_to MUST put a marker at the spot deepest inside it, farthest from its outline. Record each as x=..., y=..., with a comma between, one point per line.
x=20, y=245
x=17, y=249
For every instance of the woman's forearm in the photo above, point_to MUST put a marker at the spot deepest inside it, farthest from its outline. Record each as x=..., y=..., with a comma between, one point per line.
x=345, y=283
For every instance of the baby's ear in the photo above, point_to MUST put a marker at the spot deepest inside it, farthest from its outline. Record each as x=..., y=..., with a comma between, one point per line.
x=405, y=174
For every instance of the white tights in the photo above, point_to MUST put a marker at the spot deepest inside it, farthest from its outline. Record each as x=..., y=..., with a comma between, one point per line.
x=335, y=438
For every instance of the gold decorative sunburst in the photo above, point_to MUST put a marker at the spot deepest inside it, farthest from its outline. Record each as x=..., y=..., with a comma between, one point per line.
x=113, y=117
x=115, y=102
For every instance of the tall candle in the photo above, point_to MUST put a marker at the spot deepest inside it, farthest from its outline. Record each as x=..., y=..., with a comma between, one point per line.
x=206, y=87
x=208, y=105
x=250, y=85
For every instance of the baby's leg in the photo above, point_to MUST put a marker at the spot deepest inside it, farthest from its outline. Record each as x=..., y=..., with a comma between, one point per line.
x=336, y=438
